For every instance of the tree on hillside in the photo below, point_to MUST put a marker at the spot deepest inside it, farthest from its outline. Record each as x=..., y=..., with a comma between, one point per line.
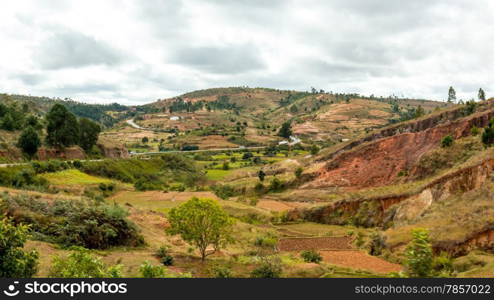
x=481, y=94
x=203, y=223
x=261, y=175
x=285, y=130
x=88, y=133
x=419, y=254
x=488, y=134
x=62, y=127
x=14, y=261
x=29, y=142
x=451, y=95
x=419, y=112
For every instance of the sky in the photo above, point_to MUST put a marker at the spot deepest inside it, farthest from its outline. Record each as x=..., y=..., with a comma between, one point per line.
x=135, y=52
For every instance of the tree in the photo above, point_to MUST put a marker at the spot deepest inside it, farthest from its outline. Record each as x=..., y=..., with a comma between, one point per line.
x=203, y=223
x=144, y=140
x=419, y=254
x=285, y=130
x=419, y=112
x=29, y=142
x=298, y=172
x=451, y=95
x=62, y=128
x=447, y=141
x=481, y=94
x=488, y=133
x=314, y=149
x=261, y=175
x=88, y=134
x=14, y=261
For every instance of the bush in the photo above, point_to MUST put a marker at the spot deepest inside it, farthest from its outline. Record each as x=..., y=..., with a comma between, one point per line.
x=447, y=141
x=269, y=268
x=147, y=270
x=163, y=254
x=14, y=261
x=70, y=222
x=311, y=256
x=419, y=254
x=266, y=242
x=81, y=264
x=222, y=272
x=276, y=185
x=224, y=191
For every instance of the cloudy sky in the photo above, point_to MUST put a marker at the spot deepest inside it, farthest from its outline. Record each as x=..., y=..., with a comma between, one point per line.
x=135, y=52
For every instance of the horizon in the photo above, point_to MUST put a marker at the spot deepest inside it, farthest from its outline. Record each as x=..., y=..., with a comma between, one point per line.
x=135, y=52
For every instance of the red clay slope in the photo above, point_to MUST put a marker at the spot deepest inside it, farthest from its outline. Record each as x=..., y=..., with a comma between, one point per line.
x=378, y=162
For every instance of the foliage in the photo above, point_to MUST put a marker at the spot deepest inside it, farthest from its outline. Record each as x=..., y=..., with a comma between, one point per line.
x=70, y=222
x=269, y=268
x=163, y=254
x=276, y=185
x=447, y=141
x=311, y=256
x=261, y=175
x=488, y=134
x=29, y=142
x=298, y=172
x=224, y=191
x=14, y=261
x=82, y=264
x=201, y=222
x=285, y=130
x=147, y=270
x=88, y=134
x=62, y=128
x=266, y=241
x=314, y=149
x=481, y=94
x=222, y=272
x=419, y=254
x=451, y=95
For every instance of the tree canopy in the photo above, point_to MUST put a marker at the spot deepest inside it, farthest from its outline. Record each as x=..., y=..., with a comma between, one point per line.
x=62, y=128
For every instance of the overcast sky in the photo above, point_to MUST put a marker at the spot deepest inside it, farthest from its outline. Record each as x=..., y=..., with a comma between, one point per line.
x=135, y=52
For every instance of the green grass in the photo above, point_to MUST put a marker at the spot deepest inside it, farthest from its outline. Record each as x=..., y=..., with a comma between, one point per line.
x=73, y=177
x=216, y=175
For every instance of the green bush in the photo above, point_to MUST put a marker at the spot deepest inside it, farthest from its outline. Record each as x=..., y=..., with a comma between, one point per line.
x=266, y=241
x=147, y=270
x=163, y=254
x=81, y=264
x=222, y=272
x=311, y=256
x=69, y=222
x=419, y=254
x=447, y=141
x=269, y=268
x=14, y=261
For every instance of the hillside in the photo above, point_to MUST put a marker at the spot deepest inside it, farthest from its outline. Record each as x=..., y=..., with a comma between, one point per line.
x=232, y=117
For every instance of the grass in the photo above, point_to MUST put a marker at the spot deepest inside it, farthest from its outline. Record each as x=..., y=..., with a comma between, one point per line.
x=309, y=228
x=217, y=175
x=73, y=177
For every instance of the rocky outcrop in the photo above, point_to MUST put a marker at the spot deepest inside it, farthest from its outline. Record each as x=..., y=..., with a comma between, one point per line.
x=115, y=151
x=66, y=153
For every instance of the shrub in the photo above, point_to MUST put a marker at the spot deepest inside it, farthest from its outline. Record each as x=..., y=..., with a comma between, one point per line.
x=311, y=256
x=14, y=261
x=298, y=172
x=222, y=272
x=70, y=222
x=147, y=270
x=269, y=268
x=81, y=264
x=447, y=141
x=475, y=130
x=163, y=254
x=224, y=191
x=266, y=241
x=314, y=149
x=419, y=254
x=276, y=185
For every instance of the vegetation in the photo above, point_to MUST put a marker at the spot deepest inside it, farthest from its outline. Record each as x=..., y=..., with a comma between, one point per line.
x=29, y=142
x=270, y=267
x=311, y=256
x=419, y=254
x=203, y=223
x=14, y=261
x=447, y=141
x=80, y=263
x=62, y=127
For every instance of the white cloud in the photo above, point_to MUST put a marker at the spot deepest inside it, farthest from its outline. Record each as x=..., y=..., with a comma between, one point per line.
x=137, y=51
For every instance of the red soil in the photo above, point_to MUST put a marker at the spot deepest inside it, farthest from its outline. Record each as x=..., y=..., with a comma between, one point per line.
x=359, y=260
x=327, y=243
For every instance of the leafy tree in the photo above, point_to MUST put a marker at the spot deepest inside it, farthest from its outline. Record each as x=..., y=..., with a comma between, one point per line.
x=203, y=223
x=81, y=264
x=88, y=134
x=33, y=121
x=311, y=256
x=145, y=140
x=29, y=142
x=419, y=254
x=261, y=175
x=3, y=110
x=14, y=261
x=8, y=122
x=481, y=94
x=488, y=134
x=447, y=141
x=451, y=95
x=62, y=128
x=285, y=130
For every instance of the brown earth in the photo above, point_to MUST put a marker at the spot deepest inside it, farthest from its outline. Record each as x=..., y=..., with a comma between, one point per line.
x=378, y=163
x=359, y=260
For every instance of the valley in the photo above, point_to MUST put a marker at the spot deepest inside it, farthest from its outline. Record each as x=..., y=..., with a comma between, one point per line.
x=311, y=184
